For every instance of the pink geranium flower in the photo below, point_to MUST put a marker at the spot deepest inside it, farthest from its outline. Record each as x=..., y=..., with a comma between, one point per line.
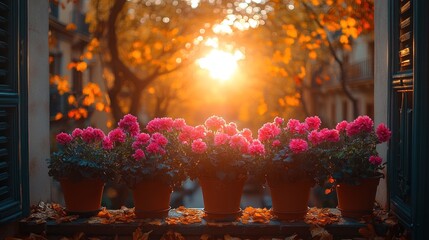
x=139, y=155
x=298, y=145
x=179, y=123
x=276, y=143
x=313, y=123
x=239, y=142
x=117, y=135
x=198, y=146
x=314, y=137
x=130, y=124
x=88, y=135
x=214, y=123
x=360, y=124
x=342, y=126
x=278, y=120
x=268, y=131
x=247, y=133
x=164, y=124
x=383, y=133
x=77, y=132
x=159, y=139
x=98, y=134
x=256, y=148
x=64, y=138
x=230, y=129
x=107, y=143
x=375, y=160
x=155, y=148
x=221, y=139
x=329, y=135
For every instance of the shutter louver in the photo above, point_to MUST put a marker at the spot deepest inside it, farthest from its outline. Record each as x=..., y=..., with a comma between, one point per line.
x=13, y=147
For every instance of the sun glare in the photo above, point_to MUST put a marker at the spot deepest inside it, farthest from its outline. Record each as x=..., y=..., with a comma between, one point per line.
x=220, y=64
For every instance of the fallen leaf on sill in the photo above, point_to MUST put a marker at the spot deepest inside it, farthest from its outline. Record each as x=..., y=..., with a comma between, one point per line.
x=293, y=237
x=69, y=218
x=228, y=237
x=123, y=215
x=221, y=224
x=321, y=216
x=170, y=235
x=185, y=216
x=139, y=235
x=32, y=236
x=320, y=233
x=45, y=211
x=157, y=222
x=205, y=237
x=256, y=215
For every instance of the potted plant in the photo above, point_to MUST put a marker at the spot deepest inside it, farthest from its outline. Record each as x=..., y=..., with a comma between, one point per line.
x=290, y=165
x=219, y=156
x=356, y=167
x=82, y=165
x=150, y=163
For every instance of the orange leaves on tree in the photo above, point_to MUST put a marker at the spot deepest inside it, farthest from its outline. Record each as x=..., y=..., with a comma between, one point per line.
x=312, y=55
x=71, y=100
x=80, y=66
x=78, y=113
x=262, y=107
x=290, y=30
x=58, y=116
x=61, y=82
x=71, y=27
x=93, y=44
x=293, y=101
x=302, y=73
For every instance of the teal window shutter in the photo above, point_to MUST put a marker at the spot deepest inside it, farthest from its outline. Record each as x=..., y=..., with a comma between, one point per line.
x=14, y=194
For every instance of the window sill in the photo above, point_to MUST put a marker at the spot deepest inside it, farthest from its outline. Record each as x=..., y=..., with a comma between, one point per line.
x=344, y=228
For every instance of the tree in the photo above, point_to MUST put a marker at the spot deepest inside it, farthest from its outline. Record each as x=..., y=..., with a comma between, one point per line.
x=301, y=35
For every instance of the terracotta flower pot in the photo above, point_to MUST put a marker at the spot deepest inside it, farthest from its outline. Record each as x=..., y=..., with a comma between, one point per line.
x=290, y=199
x=355, y=201
x=221, y=198
x=151, y=199
x=82, y=197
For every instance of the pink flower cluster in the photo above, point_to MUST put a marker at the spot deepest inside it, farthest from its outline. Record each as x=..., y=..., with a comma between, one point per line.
x=198, y=146
x=324, y=135
x=313, y=123
x=64, y=138
x=218, y=135
x=296, y=127
x=268, y=131
x=360, y=124
x=164, y=124
x=383, y=133
x=298, y=145
x=256, y=148
x=129, y=124
x=215, y=123
x=154, y=144
x=375, y=160
x=88, y=135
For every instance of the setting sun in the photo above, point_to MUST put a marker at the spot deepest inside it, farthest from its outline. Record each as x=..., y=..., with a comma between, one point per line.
x=220, y=64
